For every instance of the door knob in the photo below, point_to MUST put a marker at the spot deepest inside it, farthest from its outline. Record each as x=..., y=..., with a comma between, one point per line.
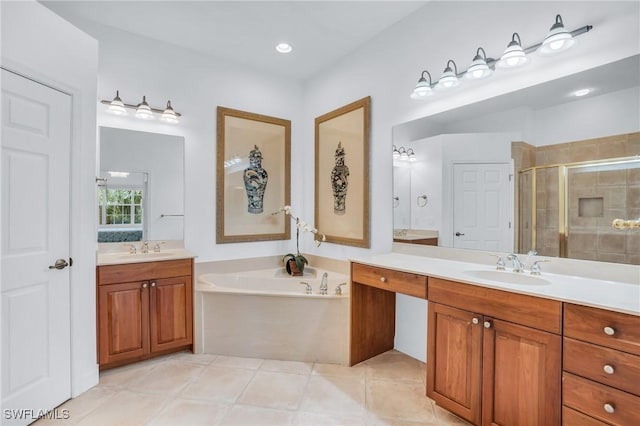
x=60, y=264
x=458, y=234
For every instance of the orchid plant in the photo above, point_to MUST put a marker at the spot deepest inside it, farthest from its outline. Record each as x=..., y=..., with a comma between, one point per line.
x=299, y=259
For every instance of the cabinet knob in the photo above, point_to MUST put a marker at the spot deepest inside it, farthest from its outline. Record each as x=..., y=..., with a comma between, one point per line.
x=144, y=285
x=608, y=369
x=383, y=279
x=153, y=284
x=487, y=324
x=475, y=321
x=609, y=408
x=609, y=331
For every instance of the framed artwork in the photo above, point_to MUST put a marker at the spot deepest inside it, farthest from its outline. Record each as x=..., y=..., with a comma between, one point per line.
x=253, y=177
x=342, y=174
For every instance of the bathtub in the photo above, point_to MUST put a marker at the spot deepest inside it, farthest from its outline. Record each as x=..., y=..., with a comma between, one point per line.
x=266, y=314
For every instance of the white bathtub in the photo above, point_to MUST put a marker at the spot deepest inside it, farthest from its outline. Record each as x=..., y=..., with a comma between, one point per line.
x=266, y=314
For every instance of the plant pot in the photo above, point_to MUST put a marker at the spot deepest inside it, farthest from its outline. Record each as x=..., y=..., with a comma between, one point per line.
x=292, y=268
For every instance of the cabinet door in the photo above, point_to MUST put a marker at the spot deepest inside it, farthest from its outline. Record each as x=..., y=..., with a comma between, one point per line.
x=171, y=314
x=454, y=360
x=522, y=375
x=123, y=318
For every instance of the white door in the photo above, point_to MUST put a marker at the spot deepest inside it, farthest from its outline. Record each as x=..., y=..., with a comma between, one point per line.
x=481, y=206
x=36, y=349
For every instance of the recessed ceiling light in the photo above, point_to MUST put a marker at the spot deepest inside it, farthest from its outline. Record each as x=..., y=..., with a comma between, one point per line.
x=284, y=47
x=581, y=92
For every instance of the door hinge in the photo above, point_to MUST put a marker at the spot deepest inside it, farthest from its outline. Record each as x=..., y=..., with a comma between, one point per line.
x=70, y=261
x=510, y=177
x=509, y=224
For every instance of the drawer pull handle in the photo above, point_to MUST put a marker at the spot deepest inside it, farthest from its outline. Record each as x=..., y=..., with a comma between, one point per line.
x=609, y=369
x=153, y=284
x=487, y=324
x=475, y=321
x=383, y=279
x=144, y=285
x=609, y=408
x=609, y=331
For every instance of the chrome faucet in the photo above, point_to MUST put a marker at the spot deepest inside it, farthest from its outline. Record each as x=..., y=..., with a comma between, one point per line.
x=517, y=264
x=323, y=284
x=307, y=289
x=144, y=248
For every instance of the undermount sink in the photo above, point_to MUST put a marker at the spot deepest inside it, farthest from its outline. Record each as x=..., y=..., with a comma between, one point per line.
x=507, y=277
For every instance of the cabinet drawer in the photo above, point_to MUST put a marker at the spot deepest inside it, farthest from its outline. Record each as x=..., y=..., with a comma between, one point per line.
x=111, y=274
x=387, y=279
x=587, y=360
x=571, y=417
x=593, y=399
x=536, y=312
x=606, y=328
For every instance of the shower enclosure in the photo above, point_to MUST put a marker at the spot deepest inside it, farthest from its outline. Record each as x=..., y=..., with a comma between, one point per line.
x=567, y=210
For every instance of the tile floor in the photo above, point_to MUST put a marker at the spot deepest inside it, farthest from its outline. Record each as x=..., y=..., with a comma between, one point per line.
x=186, y=389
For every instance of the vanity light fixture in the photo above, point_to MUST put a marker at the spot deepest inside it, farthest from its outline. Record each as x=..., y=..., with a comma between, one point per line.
x=396, y=153
x=143, y=110
x=116, y=106
x=449, y=78
x=169, y=115
x=479, y=68
x=423, y=88
x=403, y=154
x=513, y=56
x=558, y=39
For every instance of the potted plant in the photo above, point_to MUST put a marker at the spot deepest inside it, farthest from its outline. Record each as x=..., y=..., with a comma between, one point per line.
x=295, y=263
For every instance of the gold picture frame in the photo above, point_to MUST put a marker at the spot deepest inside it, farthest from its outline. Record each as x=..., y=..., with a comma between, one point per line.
x=253, y=176
x=342, y=174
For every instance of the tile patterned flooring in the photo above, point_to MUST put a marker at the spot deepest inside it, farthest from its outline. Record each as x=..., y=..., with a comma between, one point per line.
x=186, y=389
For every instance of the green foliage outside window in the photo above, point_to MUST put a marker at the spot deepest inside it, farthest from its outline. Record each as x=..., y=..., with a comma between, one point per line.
x=117, y=206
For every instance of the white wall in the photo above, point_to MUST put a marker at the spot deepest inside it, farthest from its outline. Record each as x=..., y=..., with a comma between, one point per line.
x=196, y=85
x=593, y=117
x=41, y=45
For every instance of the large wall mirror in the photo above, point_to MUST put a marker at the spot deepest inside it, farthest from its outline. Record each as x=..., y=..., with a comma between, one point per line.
x=141, y=187
x=540, y=168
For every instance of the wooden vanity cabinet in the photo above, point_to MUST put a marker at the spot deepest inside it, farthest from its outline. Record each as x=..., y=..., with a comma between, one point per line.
x=601, y=367
x=373, y=307
x=144, y=310
x=494, y=357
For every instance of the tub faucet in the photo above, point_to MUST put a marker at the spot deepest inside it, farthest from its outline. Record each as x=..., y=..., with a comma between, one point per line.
x=307, y=289
x=323, y=284
x=517, y=264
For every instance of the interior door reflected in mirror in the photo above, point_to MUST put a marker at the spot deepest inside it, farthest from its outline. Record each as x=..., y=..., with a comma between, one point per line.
x=141, y=186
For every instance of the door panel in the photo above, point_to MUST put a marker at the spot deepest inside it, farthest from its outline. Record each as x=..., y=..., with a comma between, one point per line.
x=124, y=321
x=171, y=313
x=481, y=195
x=36, y=141
x=454, y=353
x=522, y=378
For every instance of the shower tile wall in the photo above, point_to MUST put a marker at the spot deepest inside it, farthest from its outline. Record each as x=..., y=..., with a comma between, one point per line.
x=603, y=196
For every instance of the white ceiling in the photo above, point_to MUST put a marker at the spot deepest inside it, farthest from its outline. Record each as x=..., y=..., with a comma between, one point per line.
x=244, y=32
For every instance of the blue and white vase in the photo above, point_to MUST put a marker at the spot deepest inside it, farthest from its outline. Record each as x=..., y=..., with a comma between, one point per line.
x=339, y=181
x=255, y=182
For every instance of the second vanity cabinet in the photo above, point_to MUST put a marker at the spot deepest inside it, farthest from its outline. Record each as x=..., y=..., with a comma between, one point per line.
x=601, y=363
x=144, y=309
x=494, y=357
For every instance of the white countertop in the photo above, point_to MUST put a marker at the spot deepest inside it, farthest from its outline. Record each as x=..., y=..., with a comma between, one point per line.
x=613, y=295
x=120, y=258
